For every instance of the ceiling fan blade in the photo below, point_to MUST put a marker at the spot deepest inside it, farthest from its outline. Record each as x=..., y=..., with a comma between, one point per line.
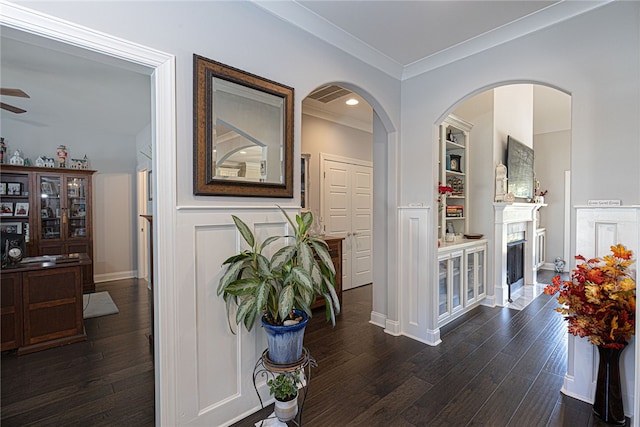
x=14, y=92
x=12, y=108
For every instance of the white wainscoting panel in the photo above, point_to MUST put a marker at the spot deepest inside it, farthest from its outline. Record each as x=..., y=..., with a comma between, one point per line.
x=417, y=300
x=216, y=366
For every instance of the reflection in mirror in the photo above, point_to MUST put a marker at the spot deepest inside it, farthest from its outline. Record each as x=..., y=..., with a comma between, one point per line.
x=243, y=132
x=248, y=134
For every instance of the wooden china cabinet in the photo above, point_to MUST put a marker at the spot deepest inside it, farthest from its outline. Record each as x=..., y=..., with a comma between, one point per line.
x=59, y=204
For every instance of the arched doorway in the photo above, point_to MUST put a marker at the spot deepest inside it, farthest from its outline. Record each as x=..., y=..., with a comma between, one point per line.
x=378, y=134
x=540, y=116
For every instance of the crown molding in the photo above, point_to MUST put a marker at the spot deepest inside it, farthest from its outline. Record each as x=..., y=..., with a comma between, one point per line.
x=303, y=18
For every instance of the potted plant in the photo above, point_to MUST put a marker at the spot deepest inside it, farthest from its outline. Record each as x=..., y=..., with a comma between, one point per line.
x=599, y=302
x=284, y=388
x=280, y=290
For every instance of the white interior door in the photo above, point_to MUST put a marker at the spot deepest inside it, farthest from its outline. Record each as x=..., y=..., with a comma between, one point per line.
x=347, y=210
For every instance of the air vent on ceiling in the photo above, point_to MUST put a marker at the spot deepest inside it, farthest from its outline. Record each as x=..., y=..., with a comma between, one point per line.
x=329, y=93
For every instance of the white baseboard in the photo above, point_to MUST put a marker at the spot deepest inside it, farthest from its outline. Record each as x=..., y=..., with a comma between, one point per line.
x=378, y=319
x=428, y=341
x=392, y=327
x=110, y=277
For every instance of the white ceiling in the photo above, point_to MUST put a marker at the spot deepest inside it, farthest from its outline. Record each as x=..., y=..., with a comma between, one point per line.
x=402, y=38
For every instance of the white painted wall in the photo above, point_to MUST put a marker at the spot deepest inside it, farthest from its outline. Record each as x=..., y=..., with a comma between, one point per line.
x=116, y=255
x=553, y=158
x=324, y=136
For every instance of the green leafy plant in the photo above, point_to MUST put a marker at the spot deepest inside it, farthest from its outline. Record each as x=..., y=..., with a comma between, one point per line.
x=284, y=387
x=296, y=273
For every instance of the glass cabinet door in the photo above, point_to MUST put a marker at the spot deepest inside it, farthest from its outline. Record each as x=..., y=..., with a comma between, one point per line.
x=481, y=275
x=76, y=207
x=456, y=281
x=443, y=294
x=50, y=207
x=471, y=282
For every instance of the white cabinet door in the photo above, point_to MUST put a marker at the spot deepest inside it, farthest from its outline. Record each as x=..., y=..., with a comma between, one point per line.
x=347, y=211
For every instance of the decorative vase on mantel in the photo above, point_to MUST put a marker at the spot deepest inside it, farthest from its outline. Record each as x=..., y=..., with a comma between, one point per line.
x=607, y=404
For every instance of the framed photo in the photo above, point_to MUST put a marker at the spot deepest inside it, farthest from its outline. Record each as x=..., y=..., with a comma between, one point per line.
x=73, y=191
x=22, y=209
x=6, y=209
x=11, y=227
x=3, y=188
x=14, y=188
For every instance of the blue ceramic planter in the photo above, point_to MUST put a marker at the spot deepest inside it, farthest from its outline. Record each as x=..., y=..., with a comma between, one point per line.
x=285, y=342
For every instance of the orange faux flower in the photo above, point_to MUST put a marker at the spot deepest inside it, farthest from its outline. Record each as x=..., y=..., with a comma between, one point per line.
x=599, y=302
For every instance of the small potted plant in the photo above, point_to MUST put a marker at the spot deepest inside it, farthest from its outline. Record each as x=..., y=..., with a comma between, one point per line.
x=280, y=290
x=284, y=388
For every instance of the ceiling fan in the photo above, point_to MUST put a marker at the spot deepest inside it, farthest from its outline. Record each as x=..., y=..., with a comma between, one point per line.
x=13, y=92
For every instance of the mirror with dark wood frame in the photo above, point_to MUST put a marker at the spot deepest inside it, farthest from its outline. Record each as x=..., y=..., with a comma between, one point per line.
x=243, y=133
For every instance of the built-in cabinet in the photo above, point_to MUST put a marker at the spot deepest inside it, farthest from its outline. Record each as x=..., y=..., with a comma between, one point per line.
x=454, y=172
x=461, y=278
x=59, y=218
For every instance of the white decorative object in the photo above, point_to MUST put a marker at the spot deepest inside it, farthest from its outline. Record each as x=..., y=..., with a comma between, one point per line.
x=559, y=264
x=41, y=161
x=501, y=182
x=16, y=159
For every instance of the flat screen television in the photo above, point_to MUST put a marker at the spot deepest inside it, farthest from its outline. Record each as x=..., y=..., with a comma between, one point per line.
x=519, y=169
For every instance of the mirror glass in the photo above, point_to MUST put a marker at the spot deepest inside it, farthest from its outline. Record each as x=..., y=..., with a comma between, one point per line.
x=243, y=133
x=248, y=134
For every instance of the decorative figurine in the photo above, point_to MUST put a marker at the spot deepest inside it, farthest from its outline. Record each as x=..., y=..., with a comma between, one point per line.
x=3, y=149
x=559, y=264
x=16, y=159
x=62, y=156
x=41, y=161
x=501, y=183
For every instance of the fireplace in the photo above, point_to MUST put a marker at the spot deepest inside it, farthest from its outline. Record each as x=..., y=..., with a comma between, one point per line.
x=514, y=248
x=515, y=263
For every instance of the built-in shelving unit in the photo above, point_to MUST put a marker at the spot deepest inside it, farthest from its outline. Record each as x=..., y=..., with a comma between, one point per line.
x=453, y=172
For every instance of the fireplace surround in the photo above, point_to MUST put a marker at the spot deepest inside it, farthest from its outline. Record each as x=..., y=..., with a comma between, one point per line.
x=513, y=222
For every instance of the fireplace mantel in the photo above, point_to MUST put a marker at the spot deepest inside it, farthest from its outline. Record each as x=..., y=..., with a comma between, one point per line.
x=505, y=215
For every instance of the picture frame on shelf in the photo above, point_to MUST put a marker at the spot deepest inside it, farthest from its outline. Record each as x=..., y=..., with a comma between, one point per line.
x=3, y=188
x=6, y=209
x=73, y=191
x=14, y=189
x=22, y=209
x=11, y=227
x=44, y=213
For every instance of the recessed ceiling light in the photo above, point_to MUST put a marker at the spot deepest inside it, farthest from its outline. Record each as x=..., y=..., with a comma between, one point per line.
x=243, y=152
x=352, y=101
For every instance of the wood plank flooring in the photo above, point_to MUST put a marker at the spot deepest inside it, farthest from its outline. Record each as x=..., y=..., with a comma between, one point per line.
x=495, y=367
x=107, y=380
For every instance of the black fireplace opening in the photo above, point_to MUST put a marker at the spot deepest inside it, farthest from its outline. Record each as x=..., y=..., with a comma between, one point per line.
x=515, y=266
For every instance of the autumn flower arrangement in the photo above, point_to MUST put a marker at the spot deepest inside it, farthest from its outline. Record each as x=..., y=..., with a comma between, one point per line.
x=443, y=190
x=599, y=301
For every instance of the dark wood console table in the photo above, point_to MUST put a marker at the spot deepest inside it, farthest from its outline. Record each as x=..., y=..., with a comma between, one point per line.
x=335, y=251
x=42, y=303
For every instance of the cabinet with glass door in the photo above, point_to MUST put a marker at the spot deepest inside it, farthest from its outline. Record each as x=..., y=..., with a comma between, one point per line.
x=64, y=224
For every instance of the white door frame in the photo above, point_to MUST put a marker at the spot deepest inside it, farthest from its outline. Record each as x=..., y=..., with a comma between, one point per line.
x=162, y=69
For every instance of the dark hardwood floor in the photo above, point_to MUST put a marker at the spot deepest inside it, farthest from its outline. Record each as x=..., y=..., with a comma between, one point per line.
x=495, y=367
x=107, y=380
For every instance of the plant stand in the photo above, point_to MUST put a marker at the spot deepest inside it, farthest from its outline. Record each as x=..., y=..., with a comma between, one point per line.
x=268, y=369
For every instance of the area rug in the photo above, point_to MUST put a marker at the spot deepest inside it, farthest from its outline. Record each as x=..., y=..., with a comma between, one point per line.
x=98, y=304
